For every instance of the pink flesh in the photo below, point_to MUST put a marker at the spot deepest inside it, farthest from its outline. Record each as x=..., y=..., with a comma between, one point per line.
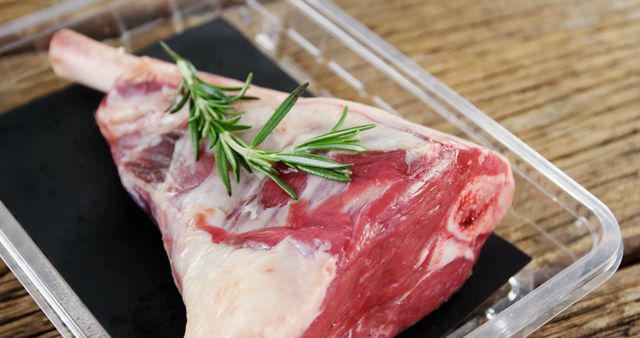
x=392, y=265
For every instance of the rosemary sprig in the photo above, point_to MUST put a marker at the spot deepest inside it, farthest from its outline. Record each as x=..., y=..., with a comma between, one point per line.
x=212, y=115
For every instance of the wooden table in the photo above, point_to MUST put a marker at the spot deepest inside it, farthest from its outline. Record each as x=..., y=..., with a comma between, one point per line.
x=564, y=76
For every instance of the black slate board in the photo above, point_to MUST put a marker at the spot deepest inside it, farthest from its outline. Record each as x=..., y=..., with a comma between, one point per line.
x=57, y=178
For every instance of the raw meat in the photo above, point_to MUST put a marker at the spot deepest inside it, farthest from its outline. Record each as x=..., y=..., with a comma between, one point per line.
x=361, y=259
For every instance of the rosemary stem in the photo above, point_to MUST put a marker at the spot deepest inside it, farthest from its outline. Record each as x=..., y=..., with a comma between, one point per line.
x=185, y=72
x=225, y=136
x=212, y=115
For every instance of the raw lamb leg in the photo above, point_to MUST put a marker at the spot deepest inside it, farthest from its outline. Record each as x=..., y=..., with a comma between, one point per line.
x=361, y=259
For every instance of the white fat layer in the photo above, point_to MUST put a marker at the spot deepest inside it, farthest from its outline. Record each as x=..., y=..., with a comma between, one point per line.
x=244, y=292
x=449, y=250
x=132, y=114
x=318, y=190
x=434, y=171
x=366, y=198
x=416, y=154
x=423, y=255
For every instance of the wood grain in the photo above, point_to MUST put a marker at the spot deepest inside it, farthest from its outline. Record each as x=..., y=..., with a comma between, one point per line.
x=611, y=311
x=19, y=314
x=12, y=9
x=564, y=76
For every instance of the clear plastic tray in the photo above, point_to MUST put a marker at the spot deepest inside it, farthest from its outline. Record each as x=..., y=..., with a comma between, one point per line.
x=573, y=238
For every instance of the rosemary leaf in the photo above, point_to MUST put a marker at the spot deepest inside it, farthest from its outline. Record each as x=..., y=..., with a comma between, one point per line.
x=244, y=88
x=325, y=173
x=287, y=188
x=333, y=146
x=223, y=169
x=301, y=159
x=343, y=117
x=278, y=115
x=337, y=134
